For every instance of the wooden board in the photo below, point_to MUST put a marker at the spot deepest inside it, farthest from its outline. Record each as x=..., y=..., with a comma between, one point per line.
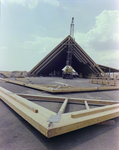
x=105, y=81
x=69, y=121
x=61, y=89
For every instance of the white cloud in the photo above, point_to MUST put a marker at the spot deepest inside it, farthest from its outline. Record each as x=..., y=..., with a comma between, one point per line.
x=41, y=45
x=104, y=33
x=22, y=2
x=102, y=41
x=32, y=3
x=52, y=2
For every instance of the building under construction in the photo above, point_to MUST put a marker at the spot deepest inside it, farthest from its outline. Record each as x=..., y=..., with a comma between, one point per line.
x=69, y=50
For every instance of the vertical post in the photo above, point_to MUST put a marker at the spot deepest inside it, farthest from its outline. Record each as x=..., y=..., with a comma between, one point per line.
x=114, y=79
x=109, y=76
x=109, y=73
x=86, y=104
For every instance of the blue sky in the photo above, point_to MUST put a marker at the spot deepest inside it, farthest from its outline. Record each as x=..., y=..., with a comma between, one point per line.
x=30, y=29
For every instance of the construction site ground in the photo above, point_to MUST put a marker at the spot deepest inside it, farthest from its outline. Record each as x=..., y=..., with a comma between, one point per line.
x=17, y=134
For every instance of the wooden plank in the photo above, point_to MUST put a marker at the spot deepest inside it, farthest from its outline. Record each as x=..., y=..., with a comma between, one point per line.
x=38, y=120
x=62, y=89
x=68, y=122
x=93, y=111
x=86, y=104
x=70, y=100
x=62, y=109
x=105, y=81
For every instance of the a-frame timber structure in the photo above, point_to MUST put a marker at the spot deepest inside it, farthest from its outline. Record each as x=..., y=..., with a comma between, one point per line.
x=56, y=60
x=69, y=51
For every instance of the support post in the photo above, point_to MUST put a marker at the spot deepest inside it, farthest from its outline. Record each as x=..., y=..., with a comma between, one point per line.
x=87, y=106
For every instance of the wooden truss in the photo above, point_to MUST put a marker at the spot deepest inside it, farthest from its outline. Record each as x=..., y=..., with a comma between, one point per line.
x=105, y=80
x=82, y=62
x=51, y=124
x=61, y=89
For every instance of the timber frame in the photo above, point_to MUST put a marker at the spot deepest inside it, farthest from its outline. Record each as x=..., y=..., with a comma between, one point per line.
x=105, y=81
x=82, y=63
x=56, y=60
x=60, y=89
x=51, y=124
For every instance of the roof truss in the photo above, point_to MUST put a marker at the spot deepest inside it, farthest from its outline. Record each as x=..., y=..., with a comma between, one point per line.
x=56, y=60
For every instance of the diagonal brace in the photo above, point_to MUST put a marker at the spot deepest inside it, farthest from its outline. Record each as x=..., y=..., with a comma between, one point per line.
x=56, y=118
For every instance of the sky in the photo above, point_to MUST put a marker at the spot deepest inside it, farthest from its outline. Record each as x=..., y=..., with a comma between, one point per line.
x=30, y=29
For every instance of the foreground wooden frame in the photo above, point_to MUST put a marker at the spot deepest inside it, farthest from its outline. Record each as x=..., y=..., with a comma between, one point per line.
x=60, y=89
x=51, y=124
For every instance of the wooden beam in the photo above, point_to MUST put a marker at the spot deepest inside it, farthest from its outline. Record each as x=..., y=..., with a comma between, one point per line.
x=70, y=100
x=68, y=121
x=86, y=104
x=62, y=89
x=38, y=120
x=93, y=111
x=68, y=124
x=62, y=109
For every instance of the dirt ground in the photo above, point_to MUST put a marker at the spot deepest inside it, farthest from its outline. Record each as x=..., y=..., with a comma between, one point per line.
x=17, y=134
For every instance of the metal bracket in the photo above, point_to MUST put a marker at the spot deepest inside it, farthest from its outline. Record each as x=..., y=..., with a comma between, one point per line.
x=54, y=118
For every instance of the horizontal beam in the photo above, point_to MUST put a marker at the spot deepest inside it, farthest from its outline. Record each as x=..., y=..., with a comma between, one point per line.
x=62, y=89
x=93, y=111
x=70, y=100
x=68, y=124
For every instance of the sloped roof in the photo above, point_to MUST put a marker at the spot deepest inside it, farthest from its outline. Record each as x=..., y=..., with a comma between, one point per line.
x=108, y=69
x=56, y=60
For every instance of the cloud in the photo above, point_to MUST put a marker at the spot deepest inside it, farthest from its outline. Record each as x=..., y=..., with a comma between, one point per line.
x=105, y=34
x=103, y=38
x=41, y=45
x=32, y=3
x=22, y=2
x=52, y=2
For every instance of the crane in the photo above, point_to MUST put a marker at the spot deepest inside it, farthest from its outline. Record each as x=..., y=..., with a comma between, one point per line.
x=68, y=71
x=72, y=28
